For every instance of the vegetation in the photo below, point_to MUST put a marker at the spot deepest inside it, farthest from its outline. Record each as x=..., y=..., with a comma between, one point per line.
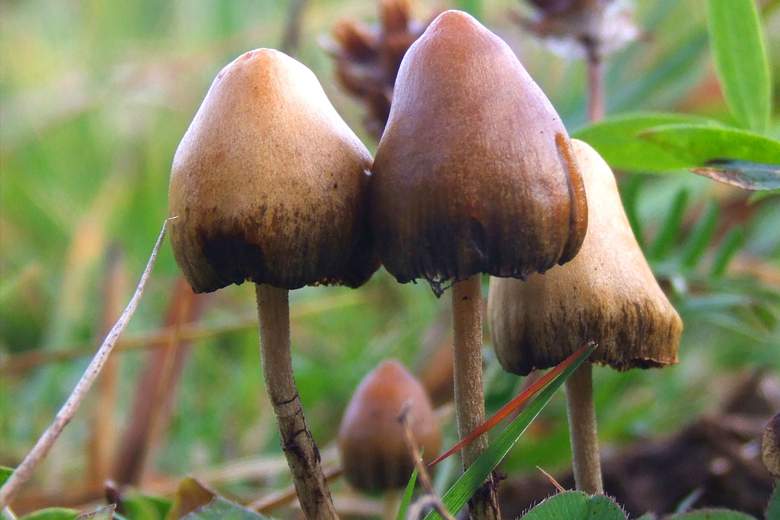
x=94, y=100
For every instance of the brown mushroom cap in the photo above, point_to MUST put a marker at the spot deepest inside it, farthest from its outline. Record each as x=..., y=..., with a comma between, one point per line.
x=269, y=183
x=471, y=174
x=770, y=446
x=607, y=294
x=371, y=439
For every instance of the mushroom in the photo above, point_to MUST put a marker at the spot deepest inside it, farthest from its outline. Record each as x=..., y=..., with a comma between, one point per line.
x=770, y=446
x=472, y=176
x=606, y=294
x=268, y=184
x=371, y=438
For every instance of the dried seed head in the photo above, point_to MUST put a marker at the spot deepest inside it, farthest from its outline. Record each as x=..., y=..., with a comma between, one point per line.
x=472, y=173
x=371, y=439
x=770, y=446
x=606, y=294
x=269, y=183
x=367, y=58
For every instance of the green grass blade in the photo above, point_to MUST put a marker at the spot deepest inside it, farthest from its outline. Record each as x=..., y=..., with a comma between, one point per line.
x=700, y=238
x=463, y=488
x=667, y=234
x=741, y=60
x=407, y=498
x=732, y=243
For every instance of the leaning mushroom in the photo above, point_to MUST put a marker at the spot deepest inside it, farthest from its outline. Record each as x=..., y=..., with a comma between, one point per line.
x=606, y=294
x=268, y=184
x=472, y=176
x=371, y=438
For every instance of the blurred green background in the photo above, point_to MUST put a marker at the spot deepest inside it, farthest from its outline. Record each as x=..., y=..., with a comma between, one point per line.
x=95, y=96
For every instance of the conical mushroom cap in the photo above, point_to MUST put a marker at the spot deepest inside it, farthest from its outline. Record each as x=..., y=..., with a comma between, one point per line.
x=471, y=174
x=269, y=183
x=371, y=439
x=606, y=294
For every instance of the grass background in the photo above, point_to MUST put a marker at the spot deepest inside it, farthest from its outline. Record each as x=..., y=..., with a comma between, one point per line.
x=94, y=97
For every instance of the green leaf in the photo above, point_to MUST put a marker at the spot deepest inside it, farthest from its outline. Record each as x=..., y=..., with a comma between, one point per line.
x=773, y=509
x=576, y=505
x=616, y=139
x=743, y=174
x=697, y=145
x=221, y=509
x=741, y=61
x=52, y=513
x=712, y=514
x=5, y=473
x=141, y=507
x=731, y=244
x=463, y=488
x=407, y=498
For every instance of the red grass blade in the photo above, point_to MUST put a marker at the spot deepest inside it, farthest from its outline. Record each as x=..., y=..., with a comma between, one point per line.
x=512, y=405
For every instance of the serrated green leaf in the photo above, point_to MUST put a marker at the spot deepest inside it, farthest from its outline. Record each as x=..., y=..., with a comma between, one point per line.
x=461, y=491
x=407, y=498
x=576, y=505
x=696, y=145
x=712, y=514
x=616, y=139
x=741, y=62
x=52, y=513
x=743, y=174
x=221, y=509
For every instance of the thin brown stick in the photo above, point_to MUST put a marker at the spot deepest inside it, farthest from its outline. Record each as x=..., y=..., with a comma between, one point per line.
x=155, y=388
x=301, y=452
x=583, y=430
x=595, y=65
x=291, y=38
x=24, y=471
x=102, y=438
x=469, y=398
x=19, y=363
x=284, y=496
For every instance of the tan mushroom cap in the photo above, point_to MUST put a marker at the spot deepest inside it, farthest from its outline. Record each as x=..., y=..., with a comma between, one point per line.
x=471, y=174
x=269, y=183
x=371, y=439
x=607, y=294
x=770, y=446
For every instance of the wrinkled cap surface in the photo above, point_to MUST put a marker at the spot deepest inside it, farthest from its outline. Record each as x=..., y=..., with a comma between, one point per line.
x=371, y=438
x=471, y=174
x=607, y=294
x=269, y=183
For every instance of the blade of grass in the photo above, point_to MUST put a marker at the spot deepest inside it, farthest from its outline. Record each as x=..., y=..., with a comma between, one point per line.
x=460, y=492
x=701, y=235
x=407, y=498
x=731, y=244
x=671, y=226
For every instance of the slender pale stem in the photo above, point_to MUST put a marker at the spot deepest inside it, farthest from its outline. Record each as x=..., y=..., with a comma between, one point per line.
x=469, y=398
x=595, y=64
x=583, y=430
x=301, y=452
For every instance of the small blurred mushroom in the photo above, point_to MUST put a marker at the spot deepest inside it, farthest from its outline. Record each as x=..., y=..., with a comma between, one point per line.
x=371, y=438
x=607, y=294
x=589, y=29
x=268, y=184
x=472, y=176
x=770, y=446
x=367, y=57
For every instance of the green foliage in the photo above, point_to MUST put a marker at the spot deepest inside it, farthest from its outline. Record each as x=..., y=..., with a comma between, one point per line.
x=407, y=497
x=221, y=509
x=576, y=505
x=137, y=506
x=712, y=514
x=464, y=487
x=773, y=508
x=5, y=473
x=741, y=61
x=52, y=513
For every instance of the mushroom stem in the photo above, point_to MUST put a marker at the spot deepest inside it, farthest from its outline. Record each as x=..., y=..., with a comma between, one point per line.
x=583, y=430
x=469, y=399
x=301, y=452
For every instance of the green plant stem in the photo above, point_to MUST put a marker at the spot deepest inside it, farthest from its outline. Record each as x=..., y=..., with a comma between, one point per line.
x=583, y=430
x=301, y=452
x=469, y=398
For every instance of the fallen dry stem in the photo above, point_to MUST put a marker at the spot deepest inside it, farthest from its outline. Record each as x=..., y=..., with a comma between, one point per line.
x=24, y=471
